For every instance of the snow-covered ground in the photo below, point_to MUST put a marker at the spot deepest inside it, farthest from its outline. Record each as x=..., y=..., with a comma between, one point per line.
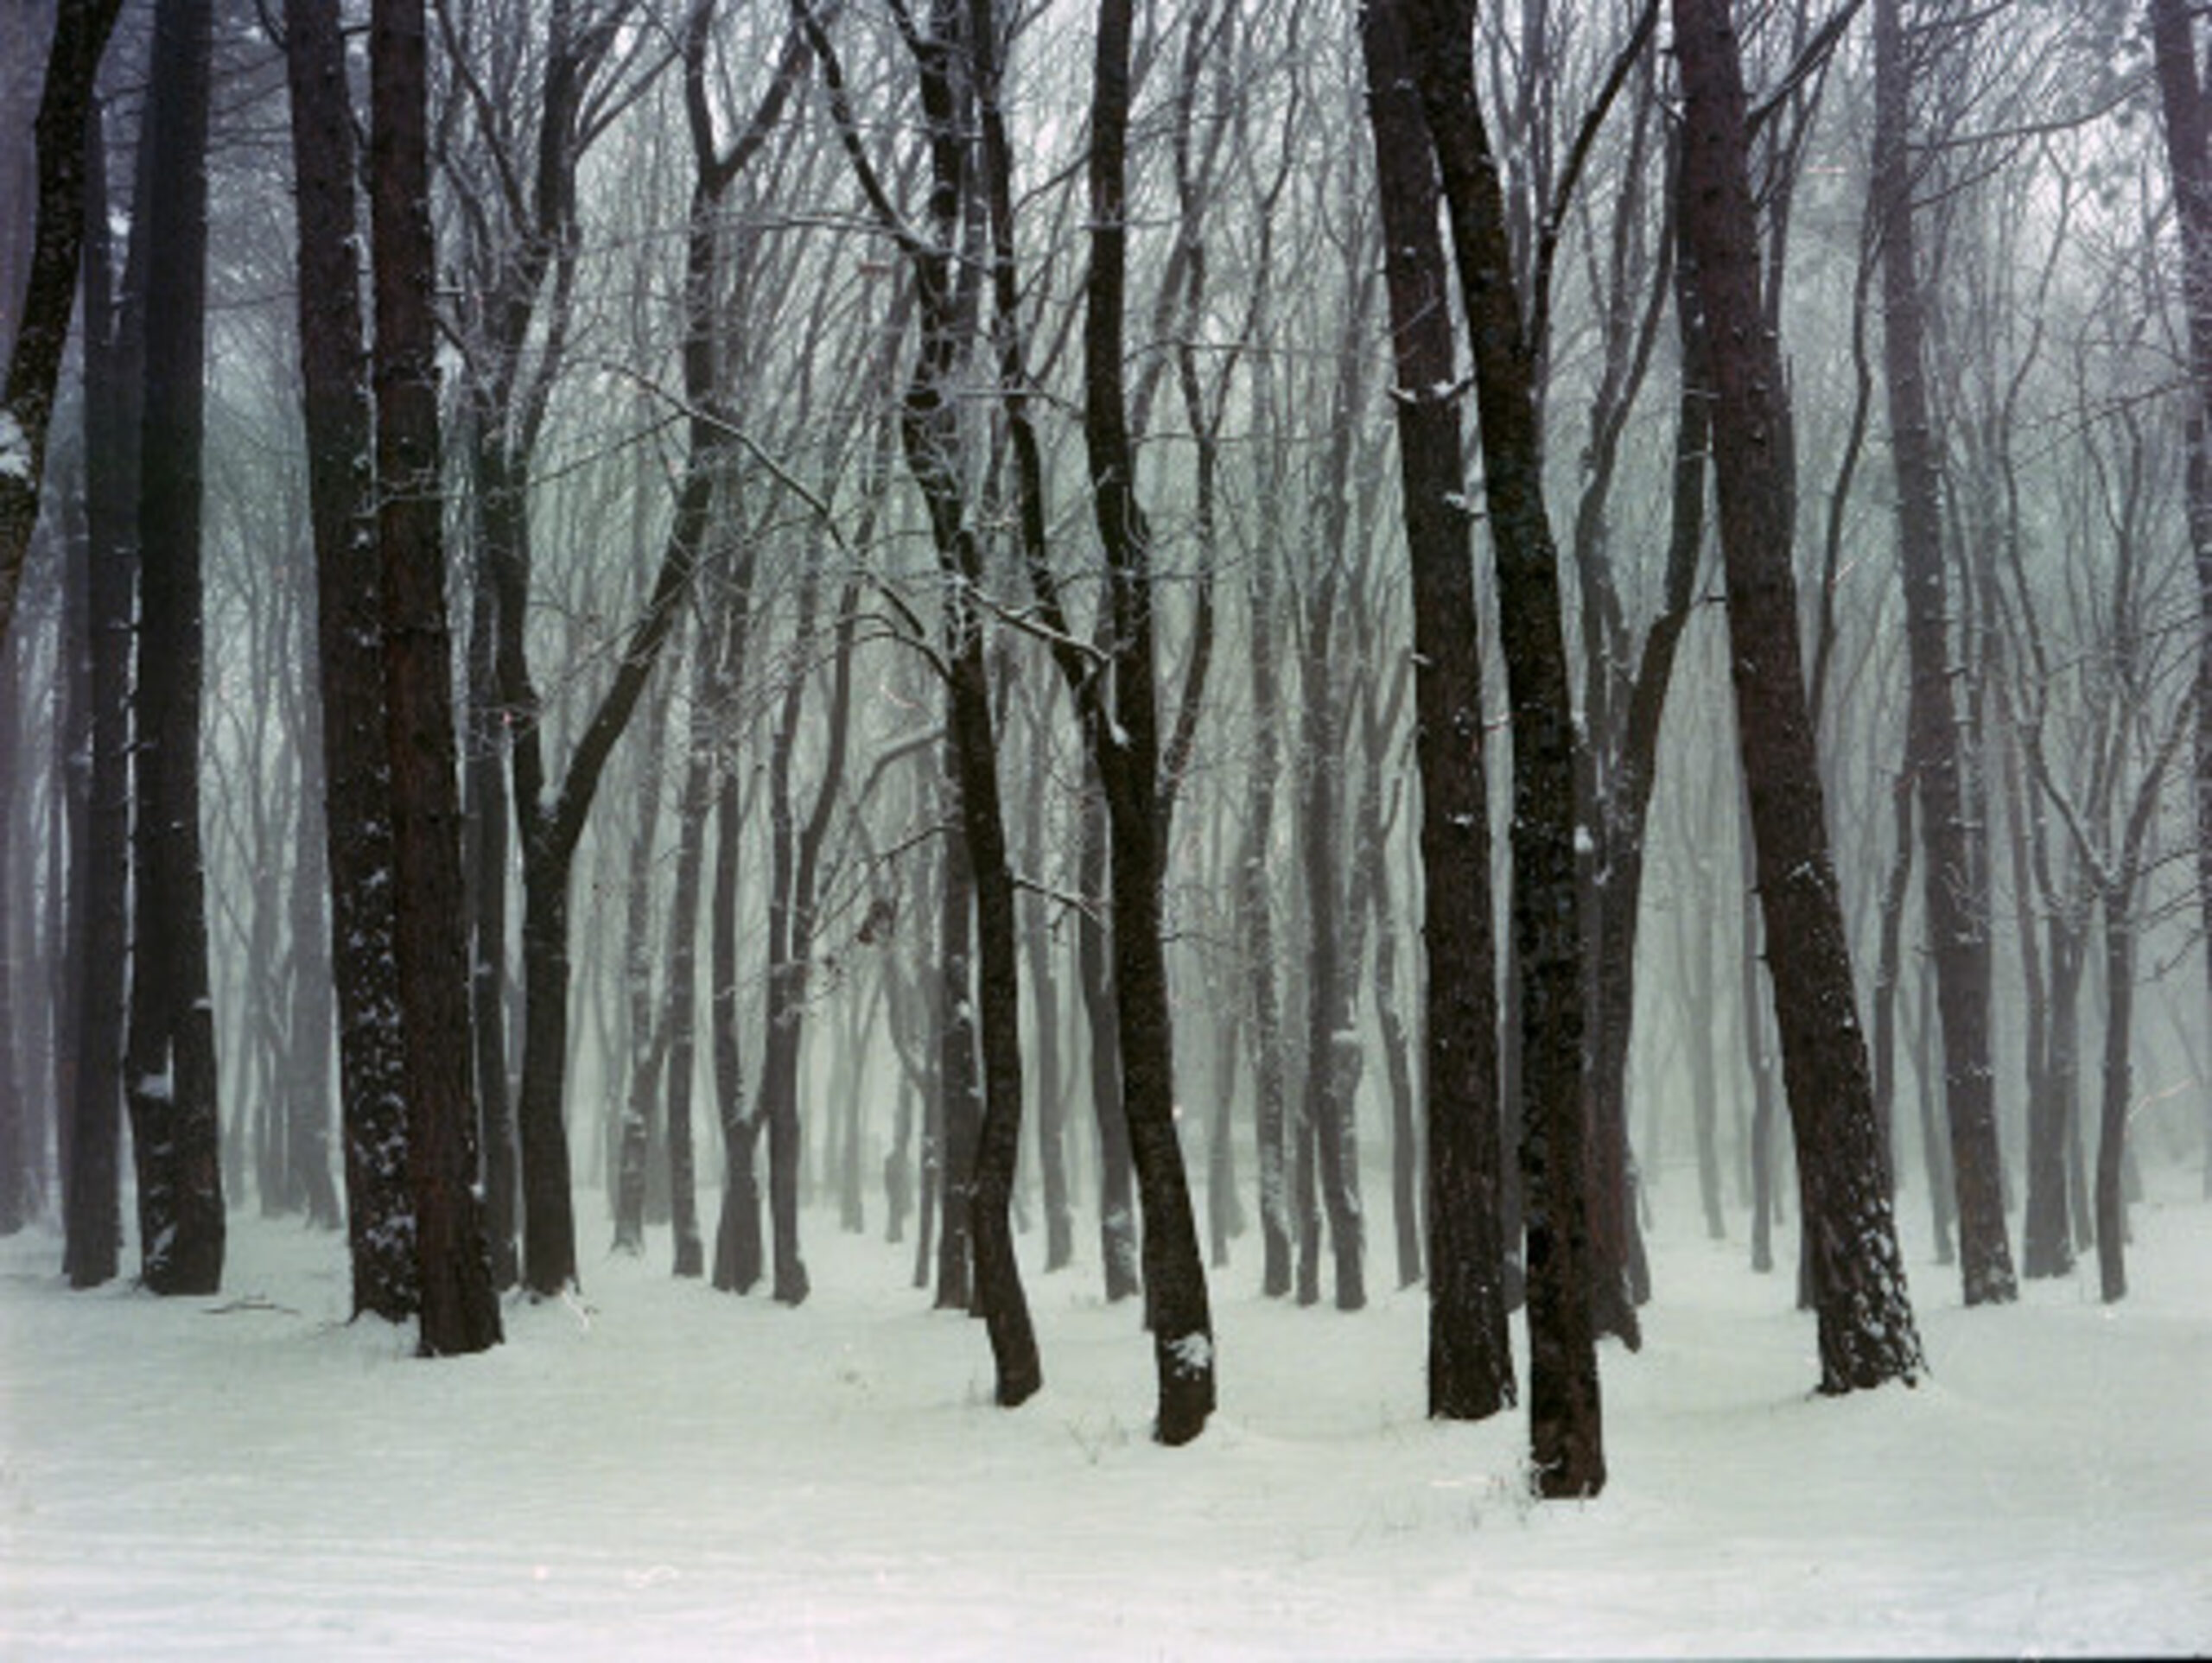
x=661, y=1471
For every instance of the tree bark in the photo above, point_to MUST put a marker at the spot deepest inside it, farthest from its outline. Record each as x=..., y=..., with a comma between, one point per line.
x=1470, y=1348
x=460, y=1311
x=170, y=1056
x=1127, y=749
x=100, y=889
x=1867, y=1334
x=1565, y=1421
x=349, y=630
x=68, y=97
x=1954, y=883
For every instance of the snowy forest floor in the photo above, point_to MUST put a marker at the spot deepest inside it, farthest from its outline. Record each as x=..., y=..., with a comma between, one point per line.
x=659, y=1470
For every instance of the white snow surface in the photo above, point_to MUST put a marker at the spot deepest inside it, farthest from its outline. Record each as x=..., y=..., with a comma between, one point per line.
x=659, y=1470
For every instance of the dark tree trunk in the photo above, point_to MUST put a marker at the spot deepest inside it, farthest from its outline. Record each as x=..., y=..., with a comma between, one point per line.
x=959, y=1087
x=100, y=888
x=1470, y=1349
x=1867, y=1335
x=349, y=630
x=1127, y=750
x=68, y=97
x=1955, y=889
x=931, y=434
x=2186, y=103
x=460, y=1309
x=485, y=852
x=1565, y=1421
x=175, y=1121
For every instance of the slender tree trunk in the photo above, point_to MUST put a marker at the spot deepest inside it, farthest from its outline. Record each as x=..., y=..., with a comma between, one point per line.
x=1470, y=1348
x=1566, y=1422
x=460, y=1309
x=1129, y=756
x=1867, y=1334
x=1956, y=891
x=100, y=890
x=68, y=96
x=1255, y=912
x=2186, y=103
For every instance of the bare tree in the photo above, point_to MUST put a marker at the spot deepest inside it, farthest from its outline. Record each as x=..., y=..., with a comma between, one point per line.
x=73, y=62
x=460, y=1311
x=1867, y=1335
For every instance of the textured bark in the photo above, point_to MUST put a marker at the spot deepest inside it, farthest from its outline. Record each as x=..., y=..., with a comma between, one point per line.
x=100, y=887
x=2186, y=102
x=1867, y=1335
x=1565, y=1416
x=356, y=773
x=177, y=1125
x=67, y=96
x=1256, y=913
x=1127, y=751
x=460, y=1311
x=1954, y=883
x=930, y=432
x=1470, y=1349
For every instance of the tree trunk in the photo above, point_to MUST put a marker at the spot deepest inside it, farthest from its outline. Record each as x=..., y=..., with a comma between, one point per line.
x=355, y=775
x=1954, y=876
x=68, y=97
x=1565, y=1421
x=101, y=888
x=1470, y=1348
x=1867, y=1335
x=460, y=1309
x=1127, y=750
x=2186, y=103
x=175, y=1121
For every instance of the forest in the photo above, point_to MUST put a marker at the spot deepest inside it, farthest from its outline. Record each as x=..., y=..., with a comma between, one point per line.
x=1311, y=650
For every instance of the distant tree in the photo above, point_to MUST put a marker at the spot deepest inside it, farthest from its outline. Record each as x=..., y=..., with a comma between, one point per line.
x=81, y=28
x=1867, y=1335
x=459, y=1308
x=170, y=1052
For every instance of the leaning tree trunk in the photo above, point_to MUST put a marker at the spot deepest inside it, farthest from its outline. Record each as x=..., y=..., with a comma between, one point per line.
x=68, y=96
x=1867, y=1335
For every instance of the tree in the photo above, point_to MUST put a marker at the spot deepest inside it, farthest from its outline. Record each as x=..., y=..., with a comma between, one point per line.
x=460, y=1311
x=1507, y=332
x=100, y=885
x=2186, y=99
x=1470, y=1354
x=1867, y=1335
x=1955, y=873
x=68, y=97
x=1125, y=742
x=357, y=827
x=170, y=1051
